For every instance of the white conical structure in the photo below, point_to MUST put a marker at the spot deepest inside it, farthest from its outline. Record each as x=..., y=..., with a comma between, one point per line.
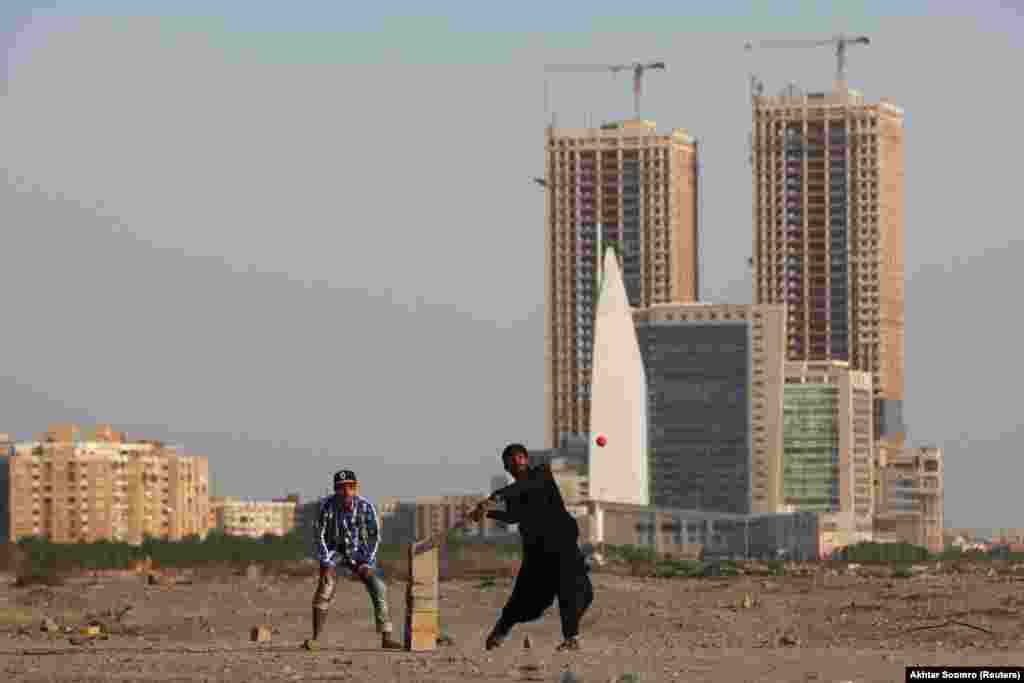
x=617, y=472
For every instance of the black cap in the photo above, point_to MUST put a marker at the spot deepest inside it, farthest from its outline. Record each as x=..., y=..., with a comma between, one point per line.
x=342, y=476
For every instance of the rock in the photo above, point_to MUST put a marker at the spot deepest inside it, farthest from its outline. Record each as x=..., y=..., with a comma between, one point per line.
x=254, y=572
x=526, y=643
x=158, y=578
x=261, y=633
x=788, y=640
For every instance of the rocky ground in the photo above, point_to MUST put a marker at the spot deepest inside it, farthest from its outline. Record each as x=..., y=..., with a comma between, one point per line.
x=860, y=624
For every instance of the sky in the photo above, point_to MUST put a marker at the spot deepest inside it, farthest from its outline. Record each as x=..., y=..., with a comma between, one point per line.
x=296, y=237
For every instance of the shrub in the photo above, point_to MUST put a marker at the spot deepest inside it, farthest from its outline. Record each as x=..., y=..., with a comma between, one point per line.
x=630, y=553
x=679, y=568
x=41, y=555
x=886, y=552
x=902, y=571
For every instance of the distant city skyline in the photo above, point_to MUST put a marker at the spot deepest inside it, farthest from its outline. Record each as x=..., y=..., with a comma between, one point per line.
x=296, y=241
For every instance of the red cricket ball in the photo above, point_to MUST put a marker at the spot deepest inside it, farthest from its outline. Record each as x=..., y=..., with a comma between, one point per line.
x=601, y=441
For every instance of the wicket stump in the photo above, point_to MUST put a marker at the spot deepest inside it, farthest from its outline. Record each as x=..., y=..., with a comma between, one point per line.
x=422, y=622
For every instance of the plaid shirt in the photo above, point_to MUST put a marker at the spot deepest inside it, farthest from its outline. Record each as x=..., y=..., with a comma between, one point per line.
x=348, y=537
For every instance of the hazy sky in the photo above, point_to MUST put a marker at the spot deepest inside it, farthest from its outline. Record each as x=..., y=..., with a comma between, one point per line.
x=301, y=236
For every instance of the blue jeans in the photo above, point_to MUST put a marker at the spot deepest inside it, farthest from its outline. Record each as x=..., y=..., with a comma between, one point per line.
x=375, y=586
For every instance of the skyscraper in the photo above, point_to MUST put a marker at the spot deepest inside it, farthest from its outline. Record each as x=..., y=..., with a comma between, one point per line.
x=622, y=183
x=828, y=233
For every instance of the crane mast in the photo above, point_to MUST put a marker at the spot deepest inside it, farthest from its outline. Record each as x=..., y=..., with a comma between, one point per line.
x=638, y=69
x=841, y=43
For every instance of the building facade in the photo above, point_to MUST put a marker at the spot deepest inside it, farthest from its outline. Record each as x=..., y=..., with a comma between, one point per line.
x=256, y=519
x=6, y=452
x=912, y=499
x=829, y=233
x=569, y=466
x=828, y=447
x=715, y=374
x=625, y=184
x=84, y=491
x=675, y=533
x=414, y=520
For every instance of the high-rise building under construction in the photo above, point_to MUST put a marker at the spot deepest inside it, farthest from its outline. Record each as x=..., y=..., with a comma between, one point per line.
x=829, y=233
x=623, y=184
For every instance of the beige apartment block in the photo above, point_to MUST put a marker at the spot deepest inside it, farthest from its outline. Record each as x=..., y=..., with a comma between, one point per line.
x=434, y=514
x=912, y=498
x=828, y=446
x=623, y=183
x=714, y=380
x=569, y=466
x=255, y=519
x=828, y=216
x=216, y=503
x=573, y=484
x=84, y=491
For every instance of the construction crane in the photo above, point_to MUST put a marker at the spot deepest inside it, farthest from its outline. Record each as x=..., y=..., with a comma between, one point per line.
x=841, y=42
x=638, y=69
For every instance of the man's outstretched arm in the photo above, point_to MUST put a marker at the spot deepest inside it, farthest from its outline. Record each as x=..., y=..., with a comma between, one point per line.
x=503, y=516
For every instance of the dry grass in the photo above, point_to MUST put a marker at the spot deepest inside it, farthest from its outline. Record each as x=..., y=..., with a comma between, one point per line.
x=49, y=578
x=16, y=617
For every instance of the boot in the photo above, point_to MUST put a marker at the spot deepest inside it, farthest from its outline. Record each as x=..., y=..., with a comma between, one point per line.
x=319, y=617
x=569, y=645
x=496, y=638
x=389, y=643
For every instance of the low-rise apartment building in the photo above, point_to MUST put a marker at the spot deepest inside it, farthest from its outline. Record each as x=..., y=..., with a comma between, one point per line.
x=71, y=487
x=255, y=519
x=911, y=499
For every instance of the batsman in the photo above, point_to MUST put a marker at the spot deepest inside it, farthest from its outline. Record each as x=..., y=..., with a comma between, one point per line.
x=553, y=565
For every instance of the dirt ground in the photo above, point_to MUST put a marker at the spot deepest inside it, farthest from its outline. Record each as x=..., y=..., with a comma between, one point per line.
x=827, y=626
